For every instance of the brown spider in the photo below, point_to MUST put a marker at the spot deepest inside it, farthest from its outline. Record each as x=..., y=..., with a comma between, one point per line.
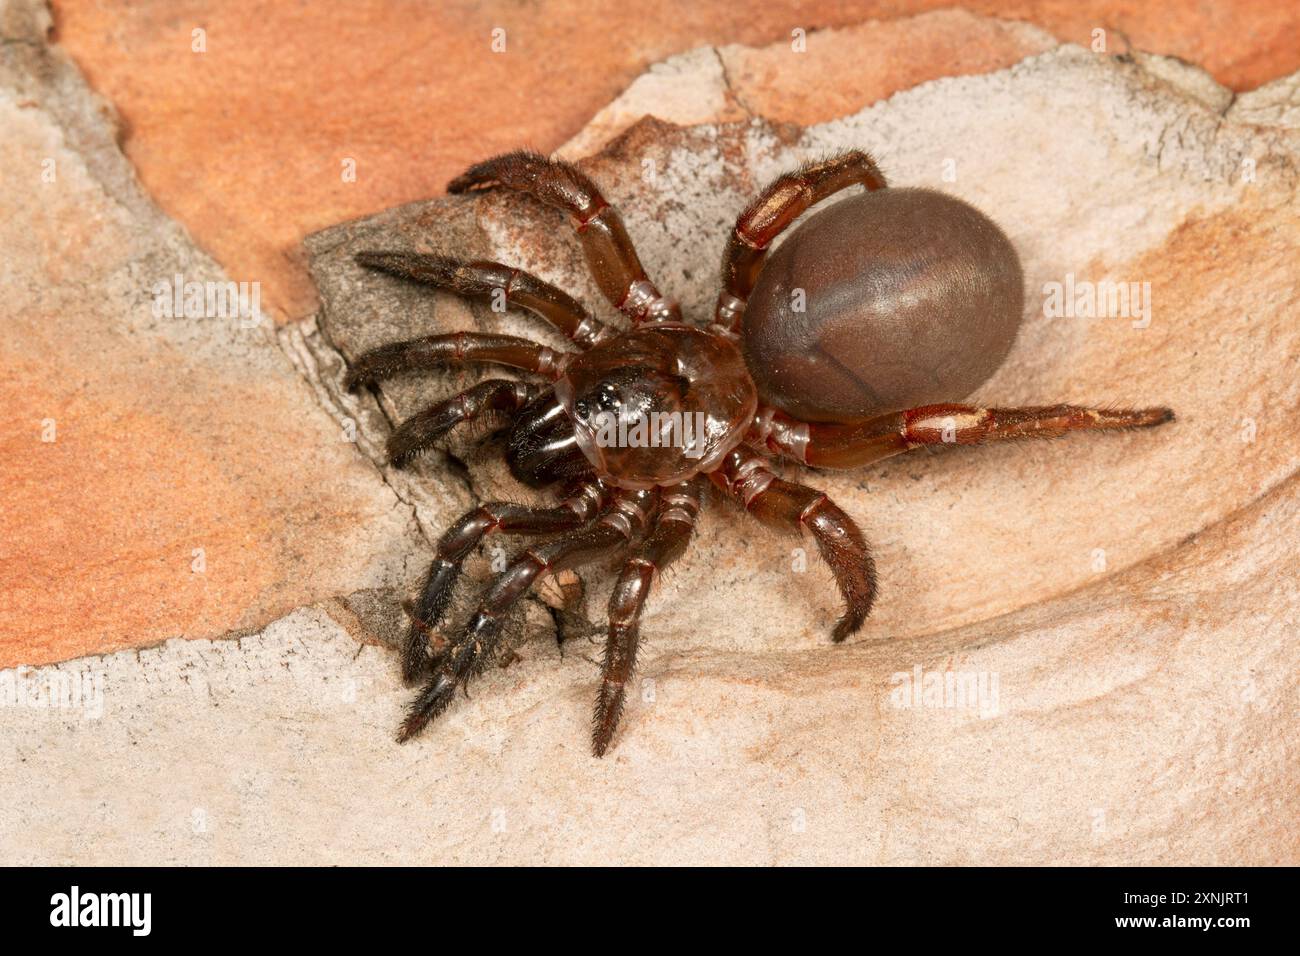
x=830, y=352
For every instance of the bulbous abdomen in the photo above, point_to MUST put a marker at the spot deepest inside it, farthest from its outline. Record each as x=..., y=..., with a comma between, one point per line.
x=883, y=301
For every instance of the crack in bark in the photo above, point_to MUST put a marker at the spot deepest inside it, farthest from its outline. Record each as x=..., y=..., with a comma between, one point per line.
x=728, y=86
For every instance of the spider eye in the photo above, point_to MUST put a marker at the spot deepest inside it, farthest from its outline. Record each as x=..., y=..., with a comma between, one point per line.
x=603, y=399
x=607, y=397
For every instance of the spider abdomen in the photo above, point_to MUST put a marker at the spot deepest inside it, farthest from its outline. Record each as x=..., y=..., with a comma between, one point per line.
x=884, y=301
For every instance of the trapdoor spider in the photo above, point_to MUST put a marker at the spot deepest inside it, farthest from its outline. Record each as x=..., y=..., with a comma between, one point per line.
x=846, y=345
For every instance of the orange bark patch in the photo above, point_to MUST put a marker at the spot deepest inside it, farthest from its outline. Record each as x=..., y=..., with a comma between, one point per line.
x=246, y=143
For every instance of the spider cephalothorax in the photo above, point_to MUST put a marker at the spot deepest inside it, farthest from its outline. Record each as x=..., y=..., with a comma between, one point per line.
x=832, y=352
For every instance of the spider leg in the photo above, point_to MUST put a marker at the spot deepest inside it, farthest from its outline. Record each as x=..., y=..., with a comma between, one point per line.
x=423, y=429
x=783, y=504
x=470, y=654
x=847, y=446
x=483, y=279
x=609, y=251
x=464, y=536
x=667, y=541
x=455, y=348
x=780, y=204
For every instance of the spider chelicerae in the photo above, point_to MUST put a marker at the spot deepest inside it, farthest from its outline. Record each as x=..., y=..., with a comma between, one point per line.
x=845, y=345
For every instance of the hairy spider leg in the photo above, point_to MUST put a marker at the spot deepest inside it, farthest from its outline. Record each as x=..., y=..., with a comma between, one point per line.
x=608, y=248
x=616, y=527
x=673, y=526
x=487, y=399
x=481, y=279
x=464, y=536
x=825, y=445
x=786, y=505
x=784, y=200
x=454, y=348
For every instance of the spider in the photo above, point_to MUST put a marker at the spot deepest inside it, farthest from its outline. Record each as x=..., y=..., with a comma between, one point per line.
x=845, y=345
